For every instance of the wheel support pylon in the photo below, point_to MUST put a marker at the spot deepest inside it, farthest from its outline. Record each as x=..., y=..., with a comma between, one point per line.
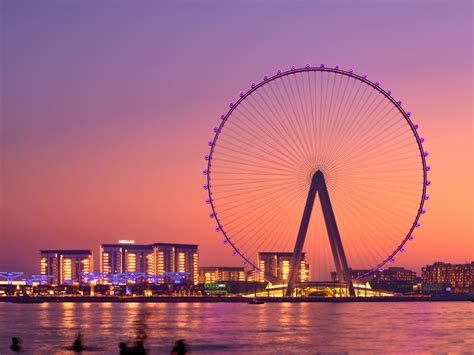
x=318, y=185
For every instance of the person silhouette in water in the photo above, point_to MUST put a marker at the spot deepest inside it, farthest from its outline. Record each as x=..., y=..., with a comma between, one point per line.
x=179, y=348
x=16, y=347
x=77, y=344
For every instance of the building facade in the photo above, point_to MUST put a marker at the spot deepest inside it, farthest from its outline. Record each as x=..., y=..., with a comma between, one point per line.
x=458, y=277
x=126, y=257
x=275, y=267
x=389, y=274
x=396, y=274
x=176, y=258
x=213, y=274
x=151, y=259
x=65, y=266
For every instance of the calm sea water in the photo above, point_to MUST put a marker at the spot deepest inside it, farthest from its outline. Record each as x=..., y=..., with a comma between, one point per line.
x=222, y=328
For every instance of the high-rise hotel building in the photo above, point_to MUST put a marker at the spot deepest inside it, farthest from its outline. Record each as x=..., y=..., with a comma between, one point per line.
x=170, y=257
x=126, y=256
x=460, y=277
x=276, y=266
x=151, y=259
x=65, y=266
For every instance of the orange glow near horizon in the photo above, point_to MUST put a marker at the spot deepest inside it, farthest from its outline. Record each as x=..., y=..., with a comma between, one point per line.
x=105, y=126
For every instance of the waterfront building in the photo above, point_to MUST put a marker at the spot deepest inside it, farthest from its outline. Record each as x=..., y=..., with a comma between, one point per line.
x=65, y=266
x=151, y=259
x=456, y=277
x=176, y=258
x=213, y=274
x=275, y=267
x=126, y=256
x=389, y=274
x=396, y=274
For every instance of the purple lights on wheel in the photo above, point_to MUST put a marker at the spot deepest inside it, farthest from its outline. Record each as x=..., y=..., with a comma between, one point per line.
x=282, y=110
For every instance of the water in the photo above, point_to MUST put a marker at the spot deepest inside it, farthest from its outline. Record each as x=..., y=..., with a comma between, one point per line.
x=223, y=328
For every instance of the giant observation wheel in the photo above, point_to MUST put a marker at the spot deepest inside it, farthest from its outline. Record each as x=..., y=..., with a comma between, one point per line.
x=323, y=121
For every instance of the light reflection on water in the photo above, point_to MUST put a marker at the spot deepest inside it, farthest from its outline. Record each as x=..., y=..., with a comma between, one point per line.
x=243, y=328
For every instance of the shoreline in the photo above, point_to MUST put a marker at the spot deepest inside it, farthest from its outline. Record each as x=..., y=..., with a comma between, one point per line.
x=237, y=299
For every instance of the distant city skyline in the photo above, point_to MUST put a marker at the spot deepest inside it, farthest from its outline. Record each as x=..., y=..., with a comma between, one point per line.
x=113, y=264
x=106, y=112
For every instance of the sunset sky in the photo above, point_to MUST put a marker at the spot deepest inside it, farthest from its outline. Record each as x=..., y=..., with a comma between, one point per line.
x=107, y=108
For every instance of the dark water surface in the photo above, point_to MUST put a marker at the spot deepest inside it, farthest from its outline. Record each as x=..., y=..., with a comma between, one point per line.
x=222, y=328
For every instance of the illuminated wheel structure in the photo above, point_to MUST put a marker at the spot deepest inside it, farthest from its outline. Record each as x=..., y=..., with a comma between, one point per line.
x=305, y=131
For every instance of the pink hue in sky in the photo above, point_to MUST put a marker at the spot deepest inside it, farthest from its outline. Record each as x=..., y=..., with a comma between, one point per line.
x=107, y=109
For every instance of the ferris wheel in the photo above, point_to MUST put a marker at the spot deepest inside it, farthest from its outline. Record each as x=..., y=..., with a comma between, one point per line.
x=309, y=132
